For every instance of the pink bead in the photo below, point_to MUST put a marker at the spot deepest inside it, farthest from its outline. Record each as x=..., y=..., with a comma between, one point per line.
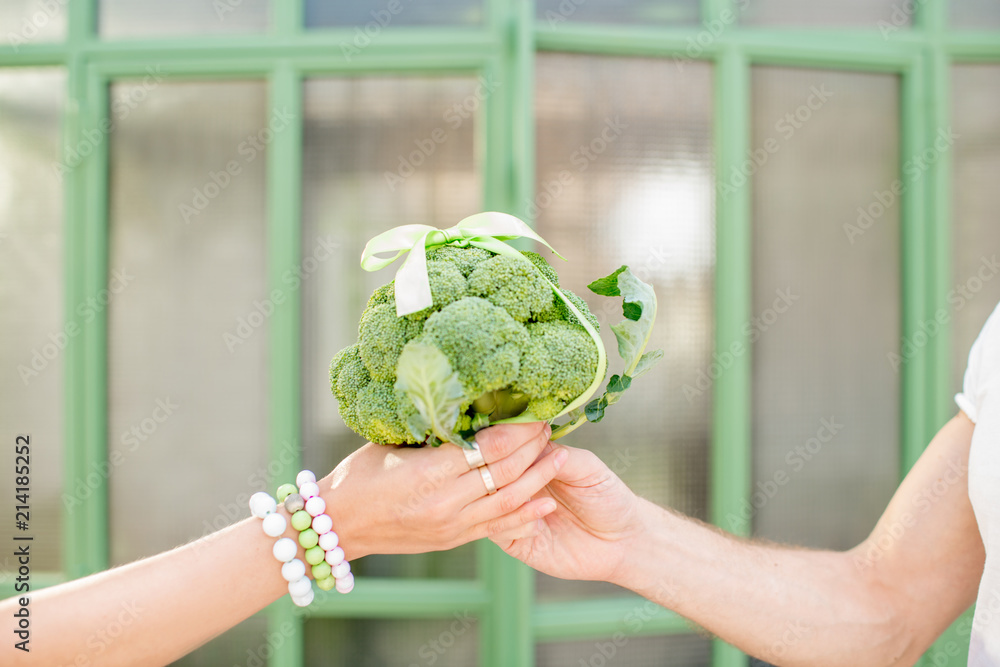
x=341, y=569
x=346, y=584
x=304, y=476
x=309, y=490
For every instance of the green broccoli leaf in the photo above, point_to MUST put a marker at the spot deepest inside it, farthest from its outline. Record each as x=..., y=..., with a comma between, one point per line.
x=607, y=286
x=425, y=374
x=639, y=309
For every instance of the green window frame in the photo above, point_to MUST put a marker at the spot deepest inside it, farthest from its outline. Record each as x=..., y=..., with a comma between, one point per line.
x=503, y=47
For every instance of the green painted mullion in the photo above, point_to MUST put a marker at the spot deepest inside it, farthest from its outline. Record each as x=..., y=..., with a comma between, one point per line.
x=977, y=47
x=74, y=527
x=732, y=457
x=381, y=597
x=256, y=67
x=94, y=237
x=715, y=9
x=931, y=17
x=82, y=22
x=586, y=619
x=916, y=374
x=287, y=17
x=506, y=638
x=284, y=251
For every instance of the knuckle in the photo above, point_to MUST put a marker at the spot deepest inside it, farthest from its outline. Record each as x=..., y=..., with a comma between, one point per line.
x=509, y=502
x=495, y=526
x=498, y=440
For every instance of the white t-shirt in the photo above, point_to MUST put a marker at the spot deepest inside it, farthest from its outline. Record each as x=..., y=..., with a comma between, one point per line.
x=980, y=400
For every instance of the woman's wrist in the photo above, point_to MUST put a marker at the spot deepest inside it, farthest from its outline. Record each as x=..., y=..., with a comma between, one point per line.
x=340, y=507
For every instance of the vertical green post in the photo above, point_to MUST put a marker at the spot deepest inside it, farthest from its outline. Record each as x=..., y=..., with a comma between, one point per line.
x=284, y=250
x=506, y=637
x=732, y=457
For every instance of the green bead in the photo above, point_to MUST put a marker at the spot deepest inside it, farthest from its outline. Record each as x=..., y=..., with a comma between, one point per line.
x=301, y=520
x=308, y=538
x=322, y=570
x=315, y=555
x=284, y=490
x=326, y=584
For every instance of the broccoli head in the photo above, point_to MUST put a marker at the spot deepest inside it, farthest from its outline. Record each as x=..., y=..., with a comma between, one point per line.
x=513, y=344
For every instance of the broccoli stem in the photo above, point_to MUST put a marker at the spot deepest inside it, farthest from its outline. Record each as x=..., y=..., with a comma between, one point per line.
x=500, y=404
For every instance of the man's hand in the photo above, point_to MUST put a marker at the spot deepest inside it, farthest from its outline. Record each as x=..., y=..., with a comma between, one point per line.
x=584, y=538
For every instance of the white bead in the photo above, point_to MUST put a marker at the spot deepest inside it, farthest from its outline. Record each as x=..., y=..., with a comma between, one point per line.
x=304, y=476
x=315, y=506
x=285, y=549
x=341, y=569
x=274, y=525
x=335, y=556
x=262, y=504
x=309, y=490
x=305, y=600
x=323, y=524
x=293, y=570
x=345, y=585
x=299, y=587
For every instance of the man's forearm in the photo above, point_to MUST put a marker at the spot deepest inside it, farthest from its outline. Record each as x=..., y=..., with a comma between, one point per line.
x=787, y=606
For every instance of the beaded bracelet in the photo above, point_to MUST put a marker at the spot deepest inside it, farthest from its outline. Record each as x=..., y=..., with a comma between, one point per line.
x=316, y=536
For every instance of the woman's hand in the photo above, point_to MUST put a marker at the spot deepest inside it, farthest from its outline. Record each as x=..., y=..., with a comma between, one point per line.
x=393, y=500
x=586, y=536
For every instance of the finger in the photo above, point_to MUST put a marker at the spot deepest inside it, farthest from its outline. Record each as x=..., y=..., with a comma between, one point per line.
x=507, y=538
x=504, y=471
x=521, y=521
x=496, y=508
x=499, y=442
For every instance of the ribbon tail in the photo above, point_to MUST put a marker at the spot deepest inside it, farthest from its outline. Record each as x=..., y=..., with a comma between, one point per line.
x=413, y=288
x=502, y=226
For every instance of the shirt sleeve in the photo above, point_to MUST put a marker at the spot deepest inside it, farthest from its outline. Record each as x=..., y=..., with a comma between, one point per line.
x=983, y=363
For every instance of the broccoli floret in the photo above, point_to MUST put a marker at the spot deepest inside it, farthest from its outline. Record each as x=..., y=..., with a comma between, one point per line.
x=557, y=365
x=464, y=259
x=512, y=284
x=381, y=336
x=542, y=266
x=376, y=415
x=483, y=343
x=348, y=374
x=560, y=311
x=448, y=285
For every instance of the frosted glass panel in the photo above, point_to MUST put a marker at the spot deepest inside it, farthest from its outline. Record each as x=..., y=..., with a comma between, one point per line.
x=33, y=330
x=874, y=14
x=975, y=14
x=553, y=13
x=668, y=651
x=187, y=383
x=374, y=16
x=141, y=18
x=975, y=291
x=370, y=163
x=624, y=175
x=444, y=642
x=25, y=22
x=826, y=304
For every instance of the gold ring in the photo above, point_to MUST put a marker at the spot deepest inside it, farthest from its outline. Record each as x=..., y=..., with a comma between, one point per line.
x=491, y=486
x=474, y=457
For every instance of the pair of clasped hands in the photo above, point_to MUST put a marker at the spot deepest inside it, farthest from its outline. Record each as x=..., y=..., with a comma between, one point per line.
x=559, y=509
